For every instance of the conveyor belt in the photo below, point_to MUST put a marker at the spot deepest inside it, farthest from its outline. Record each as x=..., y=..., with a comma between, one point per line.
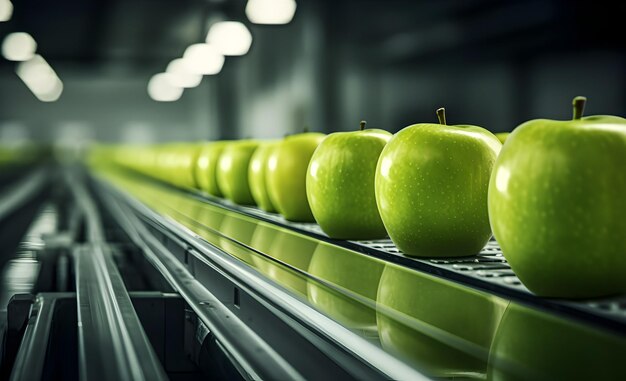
x=332, y=350
x=443, y=326
x=486, y=271
x=29, y=364
x=112, y=342
x=252, y=354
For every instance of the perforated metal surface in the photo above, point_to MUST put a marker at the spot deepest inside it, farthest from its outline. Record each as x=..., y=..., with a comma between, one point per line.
x=488, y=270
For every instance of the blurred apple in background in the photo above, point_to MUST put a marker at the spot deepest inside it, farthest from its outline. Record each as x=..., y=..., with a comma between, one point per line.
x=286, y=176
x=557, y=205
x=232, y=171
x=431, y=188
x=176, y=163
x=170, y=163
x=349, y=271
x=206, y=167
x=257, y=176
x=532, y=345
x=439, y=327
x=502, y=136
x=340, y=184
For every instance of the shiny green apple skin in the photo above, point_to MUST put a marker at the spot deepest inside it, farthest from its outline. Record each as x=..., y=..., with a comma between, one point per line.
x=437, y=326
x=257, y=176
x=502, y=136
x=232, y=171
x=431, y=189
x=557, y=206
x=286, y=175
x=206, y=167
x=533, y=345
x=350, y=271
x=340, y=184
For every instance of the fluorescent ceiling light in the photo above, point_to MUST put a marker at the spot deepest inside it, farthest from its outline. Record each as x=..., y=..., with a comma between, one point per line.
x=270, y=11
x=180, y=76
x=19, y=46
x=203, y=59
x=161, y=90
x=40, y=78
x=231, y=38
x=6, y=10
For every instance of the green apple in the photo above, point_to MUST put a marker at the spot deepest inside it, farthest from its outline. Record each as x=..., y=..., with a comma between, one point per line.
x=257, y=176
x=502, y=136
x=431, y=188
x=190, y=153
x=533, y=345
x=177, y=161
x=438, y=326
x=350, y=272
x=284, y=248
x=163, y=162
x=206, y=167
x=286, y=175
x=340, y=184
x=232, y=171
x=557, y=205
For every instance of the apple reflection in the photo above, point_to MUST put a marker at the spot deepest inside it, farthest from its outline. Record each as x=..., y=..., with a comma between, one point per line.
x=284, y=247
x=207, y=222
x=530, y=344
x=440, y=328
x=234, y=229
x=209, y=217
x=351, y=273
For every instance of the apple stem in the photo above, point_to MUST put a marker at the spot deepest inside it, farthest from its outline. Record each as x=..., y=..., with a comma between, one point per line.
x=579, y=107
x=362, y=125
x=305, y=129
x=441, y=114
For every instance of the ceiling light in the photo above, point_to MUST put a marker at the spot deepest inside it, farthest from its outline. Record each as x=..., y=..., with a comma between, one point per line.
x=161, y=90
x=18, y=46
x=203, y=59
x=231, y=38
x=270, y=11
x=180, y=76
x=6, y=10
x=40, y=78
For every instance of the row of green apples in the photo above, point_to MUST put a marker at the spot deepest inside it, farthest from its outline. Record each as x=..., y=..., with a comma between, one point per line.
x=553, y=195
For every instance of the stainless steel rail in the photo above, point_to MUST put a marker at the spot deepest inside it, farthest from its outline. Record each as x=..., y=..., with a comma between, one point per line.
x=112, y=342
x=254, y=358
x=30, y=359
x=386, y=365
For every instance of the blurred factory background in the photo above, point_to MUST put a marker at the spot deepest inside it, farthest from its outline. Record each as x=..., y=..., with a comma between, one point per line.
x=490, y=63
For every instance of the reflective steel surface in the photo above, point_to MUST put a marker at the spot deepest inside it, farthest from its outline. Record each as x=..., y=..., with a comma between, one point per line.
x=442, y=328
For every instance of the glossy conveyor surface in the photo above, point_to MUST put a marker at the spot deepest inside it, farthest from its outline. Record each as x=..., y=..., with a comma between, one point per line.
x=438, y=326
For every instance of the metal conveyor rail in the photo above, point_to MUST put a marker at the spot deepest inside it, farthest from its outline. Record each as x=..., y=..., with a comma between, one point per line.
x=366, y=361
x=112, y=342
